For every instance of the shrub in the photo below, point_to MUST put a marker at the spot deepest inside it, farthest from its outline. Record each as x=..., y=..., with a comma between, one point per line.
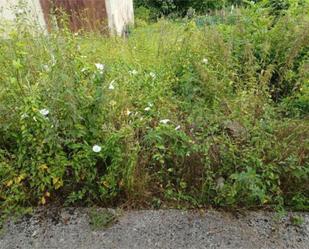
x=177, y=114
x=159, y=8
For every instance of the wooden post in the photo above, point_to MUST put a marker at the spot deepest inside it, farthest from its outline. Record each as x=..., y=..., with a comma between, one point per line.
x=120, y=14
x=89, y=15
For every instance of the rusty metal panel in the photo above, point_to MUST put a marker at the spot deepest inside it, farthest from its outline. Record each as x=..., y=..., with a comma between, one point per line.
x=87, y=15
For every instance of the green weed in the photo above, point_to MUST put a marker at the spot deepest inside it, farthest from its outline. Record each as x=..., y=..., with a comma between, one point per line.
x=177, y=114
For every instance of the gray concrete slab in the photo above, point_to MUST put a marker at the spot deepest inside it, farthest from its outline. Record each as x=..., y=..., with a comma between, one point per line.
x=70, y=229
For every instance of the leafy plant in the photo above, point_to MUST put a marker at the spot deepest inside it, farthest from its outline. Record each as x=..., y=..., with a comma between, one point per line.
x=181, y=113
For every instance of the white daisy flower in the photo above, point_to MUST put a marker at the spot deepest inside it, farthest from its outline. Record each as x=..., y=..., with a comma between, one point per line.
x=205, y=61
x=165, y=121
x=153, y=75
x=96, y=148
x=100, y=66
x=44, y=112
x=53, y=59
x=147, y=109
x=24, y=115
x=20, y=12
x=133, y=72
x=46, y=67
x=111, y=85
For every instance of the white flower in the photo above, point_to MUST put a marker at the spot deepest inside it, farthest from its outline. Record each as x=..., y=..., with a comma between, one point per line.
x=112, y=102
x=111, y=85
x=24, y=115
x=53, y=60
x=96, y=148
x=153, y=75
x=46, y=68
x=20, y=12
x=100, y=66
x=44, y=112
x=165, y=121
x=128, y=112
x=178, y=128
x=147, y=109
x=205, y=61
x=133, y=72
x=220, y=182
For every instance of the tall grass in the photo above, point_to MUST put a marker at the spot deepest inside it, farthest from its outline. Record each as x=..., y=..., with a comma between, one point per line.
x=173, y=115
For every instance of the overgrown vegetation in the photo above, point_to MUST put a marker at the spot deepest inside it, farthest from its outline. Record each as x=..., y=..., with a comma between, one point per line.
x=173, y=8
x=177, y=114
x=101, y=218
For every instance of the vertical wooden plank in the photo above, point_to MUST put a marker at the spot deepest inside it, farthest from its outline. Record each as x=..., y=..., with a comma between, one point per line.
x=82, y=14
x=120, y=14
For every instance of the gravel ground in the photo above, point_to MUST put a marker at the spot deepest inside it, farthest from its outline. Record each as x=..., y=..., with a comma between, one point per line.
x=70, y=229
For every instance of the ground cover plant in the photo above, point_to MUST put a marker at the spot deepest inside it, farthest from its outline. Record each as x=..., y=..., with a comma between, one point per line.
x=177, y=114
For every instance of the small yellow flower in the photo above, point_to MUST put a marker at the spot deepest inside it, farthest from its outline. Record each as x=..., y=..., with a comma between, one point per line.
x=9, y=183
x=43, y=200
x=43, y=167
x=57, y=182
x=20, y=178
x=105, y=183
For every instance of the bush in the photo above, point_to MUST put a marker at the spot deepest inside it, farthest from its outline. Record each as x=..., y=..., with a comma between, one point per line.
x=174, y=115
x=159, y=8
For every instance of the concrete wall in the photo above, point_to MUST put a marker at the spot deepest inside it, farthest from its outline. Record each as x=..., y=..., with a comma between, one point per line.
x=9, y=9
x=120, y=14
